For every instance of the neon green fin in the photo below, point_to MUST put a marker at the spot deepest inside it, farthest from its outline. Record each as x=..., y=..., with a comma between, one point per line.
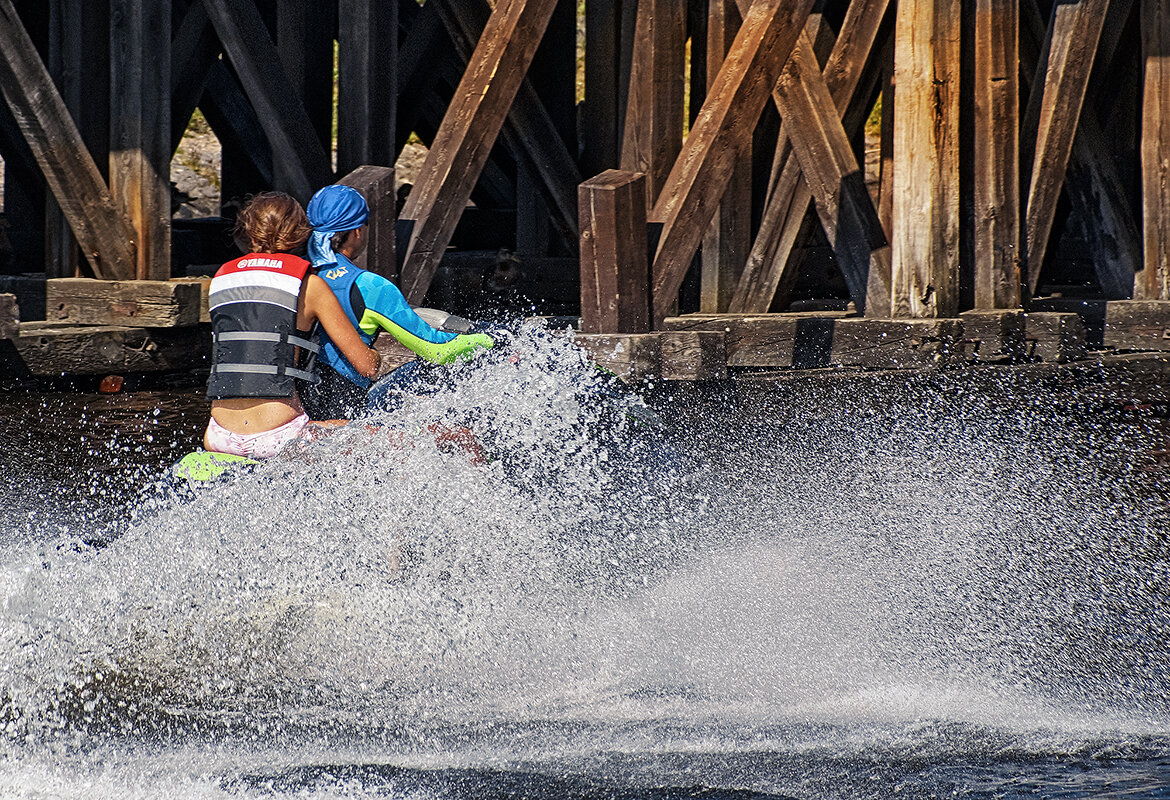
x=203, y=465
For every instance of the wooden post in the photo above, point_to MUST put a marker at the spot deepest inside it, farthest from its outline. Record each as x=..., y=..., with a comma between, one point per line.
x=728, y=239
x=615, y=276
x=1153, y=282
x=1075, y=32
x=194, y=51
x=101, y=229
x=997, y=157
x=599, y=122
x=66, y=52
x=926, y=159
x=377, y=185
x=721, y=130
x=367, y=38
x=653, y=129
x=140, y=132
x=469, y=128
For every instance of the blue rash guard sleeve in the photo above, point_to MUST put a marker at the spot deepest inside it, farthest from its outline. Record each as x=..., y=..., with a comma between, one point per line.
x=387, y=309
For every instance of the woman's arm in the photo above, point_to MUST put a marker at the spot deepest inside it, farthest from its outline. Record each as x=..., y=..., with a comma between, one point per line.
x=320, y=305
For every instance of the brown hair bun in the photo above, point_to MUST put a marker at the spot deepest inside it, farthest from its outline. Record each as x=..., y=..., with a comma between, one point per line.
x=272, y=222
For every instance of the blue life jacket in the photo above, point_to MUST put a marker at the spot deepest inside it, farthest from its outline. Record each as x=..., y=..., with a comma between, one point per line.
x=341, y=279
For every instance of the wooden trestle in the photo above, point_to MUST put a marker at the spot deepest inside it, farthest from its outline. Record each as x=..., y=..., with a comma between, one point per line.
x=707, y=184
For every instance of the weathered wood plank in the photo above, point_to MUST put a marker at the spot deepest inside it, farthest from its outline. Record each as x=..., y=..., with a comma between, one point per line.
x=377, y=185
x=367, y=49
x=51, y=351
x=283, y=118
x=994, y=335
x=102, y=231
x=140, y=304
x=470, y=126
x=1153, y=281
x=631, y=356
x=203, y=284
x=728, y=240
x=801, y=340
x=926, y=159
x=997, y=156
x=1054, y=336
x=733, y=105
x=140, y=132
x=693, y=355
x=9, y=317
x=652, y=134
x=1137, y=324
x=1074, y=34
x=615, y=274
x=897, y=344
x=767, y=271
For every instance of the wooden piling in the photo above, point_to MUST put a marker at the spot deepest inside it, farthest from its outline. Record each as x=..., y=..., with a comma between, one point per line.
x=615, y=277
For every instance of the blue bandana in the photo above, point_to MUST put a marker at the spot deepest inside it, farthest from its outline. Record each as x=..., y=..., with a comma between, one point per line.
x=332, y=210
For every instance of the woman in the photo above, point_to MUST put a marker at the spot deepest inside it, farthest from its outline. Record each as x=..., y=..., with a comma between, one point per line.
x=264, y=307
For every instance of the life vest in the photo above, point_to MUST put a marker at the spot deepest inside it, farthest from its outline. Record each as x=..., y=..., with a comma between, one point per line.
x=253, y=307
x=341, y=278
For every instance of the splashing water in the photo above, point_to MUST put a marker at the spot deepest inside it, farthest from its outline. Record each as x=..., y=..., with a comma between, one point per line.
x=812, y=590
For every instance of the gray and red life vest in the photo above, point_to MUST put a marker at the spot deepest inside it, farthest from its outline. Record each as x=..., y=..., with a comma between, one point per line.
x=253, y=305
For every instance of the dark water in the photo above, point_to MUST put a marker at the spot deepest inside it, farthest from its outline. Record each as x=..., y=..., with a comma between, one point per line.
x=898, y=586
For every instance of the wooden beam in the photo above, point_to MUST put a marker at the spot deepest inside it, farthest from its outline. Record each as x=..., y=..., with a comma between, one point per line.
x=417, y=75
x=926, y=160
x=304, y=38
x=235, y=124
x=1074, y=33
x=140, y=132
x=52, y=350
x=139, y=303
x=997, y=154
x=835, y=180
x=1153, y=281
x=528, y=132
x=724, y=125
x=67, y=51
x=377, y=185
x=283, y=118
x=470, y=126
x=653, y=130
x=1094, y=187
x=615, y=274
x=728, y=239
x=103, y=232
x=367, y=46
x=768, y=267
x=600, y=126
x=194, y=49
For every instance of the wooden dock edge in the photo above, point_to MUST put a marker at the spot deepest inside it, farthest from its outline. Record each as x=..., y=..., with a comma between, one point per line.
x=694, y=347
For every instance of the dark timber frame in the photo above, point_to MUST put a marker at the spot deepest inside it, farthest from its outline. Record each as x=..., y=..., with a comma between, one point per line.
x=1020, y=157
